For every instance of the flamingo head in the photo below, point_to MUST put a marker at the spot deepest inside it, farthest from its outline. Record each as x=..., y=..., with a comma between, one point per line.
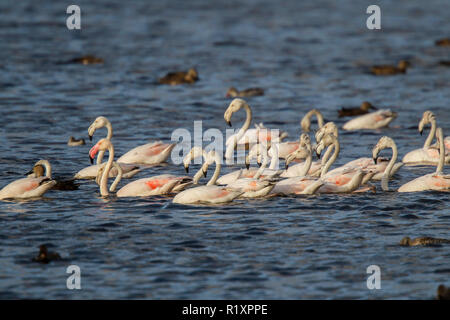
x=233, y=107
x=383, y=143
x=329, y=127
x=102, y=145
x=428, y=117
x=97, y=124
x=195, y=152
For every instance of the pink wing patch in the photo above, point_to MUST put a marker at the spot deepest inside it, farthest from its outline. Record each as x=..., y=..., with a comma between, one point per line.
x=156, y=183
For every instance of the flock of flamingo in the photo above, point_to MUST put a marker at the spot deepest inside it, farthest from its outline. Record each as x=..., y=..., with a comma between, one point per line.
x=301, y=175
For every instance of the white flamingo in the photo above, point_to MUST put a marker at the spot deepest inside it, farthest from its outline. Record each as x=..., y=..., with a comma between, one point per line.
x=364, y=163
x=30, y=187
x=150, y=153
x=426, y=154
x=437, y=181
x=288, y=147
x=374, y=120
x=245, y=136
x=210, y=193
x=260, y=152
x=157, y=185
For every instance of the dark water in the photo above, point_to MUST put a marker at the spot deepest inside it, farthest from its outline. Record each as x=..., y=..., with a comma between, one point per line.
x=306, y=55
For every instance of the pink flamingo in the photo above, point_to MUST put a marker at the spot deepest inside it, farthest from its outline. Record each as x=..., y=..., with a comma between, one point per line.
x=161, y=184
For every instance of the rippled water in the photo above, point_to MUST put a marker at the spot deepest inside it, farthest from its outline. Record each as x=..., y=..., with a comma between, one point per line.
x=305, y=55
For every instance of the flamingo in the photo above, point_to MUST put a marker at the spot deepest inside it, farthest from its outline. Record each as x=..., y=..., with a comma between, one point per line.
x=30, y=187
x=150, y=153
x=245, y=136
x=269, y=173
x=437, y=181
x=299, y=184
x=373, y=120
x=342, y=181
x=161, y=184
x=288, y=147
x=210, y=193
x=427, y=155
x=299, y=168
x=364, y=163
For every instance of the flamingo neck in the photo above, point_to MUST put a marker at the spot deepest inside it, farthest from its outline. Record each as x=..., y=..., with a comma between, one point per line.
x=48, y=169
x=274, y=162
x=387, y=171
x=230, y=149
x=307, y=165
x=333, y=158
x=108, y=136
x=326, y=155
x=431, y=134
x=263, y=164
x=118, y=177
x=104, y=181
x=440, y=166
x=214, y=178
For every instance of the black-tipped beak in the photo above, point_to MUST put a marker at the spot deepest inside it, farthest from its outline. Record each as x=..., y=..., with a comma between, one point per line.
x=187, y=169
x=205, y=173
x=421, y=131
x=91, y=159
x=318, y=155
x=247, y=165
x=287, y=166
x=229, y=123
x=90, y=138
x=259, y=164
x=375, y=160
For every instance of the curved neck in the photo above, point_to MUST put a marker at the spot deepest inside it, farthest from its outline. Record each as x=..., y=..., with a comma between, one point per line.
x=104, y=181
x=214, y=178
x=108, y=136
x=326, y=155
x=118, y=177
x=48, y=169
x=333, y=157
x=306, y=165
x=440, y=166
x=387, y=171
x=230, y=149
x=264, y=162
x=431, y=134
x=274, y=162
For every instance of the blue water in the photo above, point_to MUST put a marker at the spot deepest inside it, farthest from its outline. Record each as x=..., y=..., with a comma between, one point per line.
x=305, y=55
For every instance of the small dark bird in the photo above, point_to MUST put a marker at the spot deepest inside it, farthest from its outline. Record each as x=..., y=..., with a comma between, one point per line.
x=62, y=185
x=445, y=63
x=181, y=77
x=443, y=293
x=44, y=256
x=445, y=42
x=86, y=60
x=250, y=92
x=386, y=70
x=424, y=241
x=350, y=112
x=75, y=142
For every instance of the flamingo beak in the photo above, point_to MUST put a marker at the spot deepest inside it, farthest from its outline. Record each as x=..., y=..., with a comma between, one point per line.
x=186, y=168
x=287, y=166
x=90, y=138
x=318, y=155
x=375, y=160
x=205, y=173
x=259, y=164
x=229, y=123
x=421, y=131
x=93, y=152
